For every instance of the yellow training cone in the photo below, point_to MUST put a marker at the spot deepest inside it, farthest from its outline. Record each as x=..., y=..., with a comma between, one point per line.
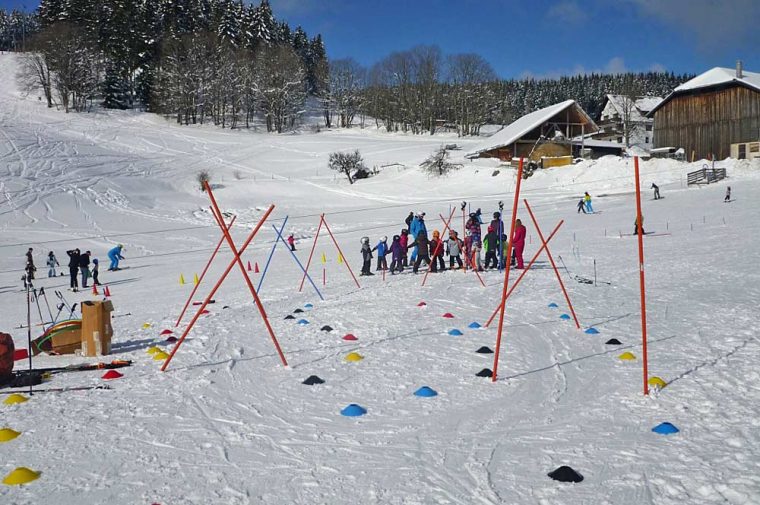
x=195, y=279
x=354, y=356
x=154, y=350
x=20, y=475
x=145, y=326
x=181, y=280
x=160, y=356
x=656, y=382
x=340, y=258
x=324, y=258
x=7, y=434
x=15, y=398
x=627, y=356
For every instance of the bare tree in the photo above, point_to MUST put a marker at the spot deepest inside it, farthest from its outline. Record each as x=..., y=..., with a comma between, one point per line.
x=35, y=72
x=630, y=92
x=350, y=164
x=438, y=163
x=469, y=75
x=346, y=82
x=281, y=91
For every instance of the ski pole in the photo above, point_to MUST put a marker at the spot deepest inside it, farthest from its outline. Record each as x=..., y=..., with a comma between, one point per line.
x=39, y=309
x=60, y=297
x=564, y=266
x=42, y=292
x=73, y=308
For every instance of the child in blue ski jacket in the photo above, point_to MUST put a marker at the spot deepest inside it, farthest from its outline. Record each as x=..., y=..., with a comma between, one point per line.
x=115, y=255
x=382, y=250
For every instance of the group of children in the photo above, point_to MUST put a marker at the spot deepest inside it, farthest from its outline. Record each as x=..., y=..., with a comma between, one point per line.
x=462, y=253
x=80, y=263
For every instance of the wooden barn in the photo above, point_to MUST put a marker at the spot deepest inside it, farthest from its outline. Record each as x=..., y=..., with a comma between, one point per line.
x=711, y=113
x=544, y=133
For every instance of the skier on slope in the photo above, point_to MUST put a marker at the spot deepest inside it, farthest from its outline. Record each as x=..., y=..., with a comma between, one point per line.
x=473, y=226
x=417, y=226
x=582, y=206
x=30, y=268
x=454, y=248
x=656, y=189
x=397, y=250
x=115, y=255
x=728, y=195
x=436, y=253
x=84, y=267
x=587, y=199
x=292, y=242
x=490, y=244
x=404, y=242
x=52, y=262
x=73, y=268
x=423, y=247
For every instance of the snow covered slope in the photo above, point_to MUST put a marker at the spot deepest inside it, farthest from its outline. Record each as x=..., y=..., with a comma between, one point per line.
x=229, y=424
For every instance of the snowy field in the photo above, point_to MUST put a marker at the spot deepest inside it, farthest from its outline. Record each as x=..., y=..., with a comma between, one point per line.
x=227, y=423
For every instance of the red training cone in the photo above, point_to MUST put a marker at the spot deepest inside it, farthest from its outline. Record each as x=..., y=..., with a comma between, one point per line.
x=249, y=266
x=448, y=315
x=350, y=337
x=106, y=291
x=256, y=268
x=95, y=289
x=421, y=304
x=112, y=374
x=166, y=332
x=205, y=312
x=171, y=339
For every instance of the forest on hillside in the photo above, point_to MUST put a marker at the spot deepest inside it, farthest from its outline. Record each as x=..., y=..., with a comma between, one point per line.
x=236, y=65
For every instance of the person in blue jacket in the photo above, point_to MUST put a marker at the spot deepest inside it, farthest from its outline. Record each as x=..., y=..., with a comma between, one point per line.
x=382, y=250
x=115, y=255
x=417, y=226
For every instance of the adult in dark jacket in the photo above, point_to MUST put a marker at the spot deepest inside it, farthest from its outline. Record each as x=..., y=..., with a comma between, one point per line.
x=366, y=257
x=73, y=267
x=84, y=267
x=409, y=219
x=423, y=246
x=30, y=268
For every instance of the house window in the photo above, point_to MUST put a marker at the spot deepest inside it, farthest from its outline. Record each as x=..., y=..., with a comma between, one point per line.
x=620, y=140
x=742, y=151
x=649, y=128
x=646, y=140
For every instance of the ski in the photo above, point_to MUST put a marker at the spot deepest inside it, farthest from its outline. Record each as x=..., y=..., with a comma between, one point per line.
x=85, y=367
x=55, y=390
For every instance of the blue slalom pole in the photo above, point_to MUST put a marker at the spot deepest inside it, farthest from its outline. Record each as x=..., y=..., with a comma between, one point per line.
x=266, y=267
x=279, y=235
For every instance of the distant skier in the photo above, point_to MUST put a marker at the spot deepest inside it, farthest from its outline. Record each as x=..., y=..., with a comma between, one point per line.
x=382, y=250
x=656, y=189
x=728, y=195
x=52, y=262
x=95, y=271
x=587, y=199
x=636, y=226
x=115, y=255
x=292, y=242
x=582, y=206
x=366, y=257
x=73, y=268
x=84, y=267
x=409, y=219
x=30, y=268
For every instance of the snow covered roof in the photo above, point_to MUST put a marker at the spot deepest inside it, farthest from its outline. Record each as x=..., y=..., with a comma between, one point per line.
x=642, y=105
x=717, y=76
x=524, y=125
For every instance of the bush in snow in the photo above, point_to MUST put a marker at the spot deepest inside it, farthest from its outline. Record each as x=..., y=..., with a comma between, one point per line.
x=350, y=164
x=438, y=163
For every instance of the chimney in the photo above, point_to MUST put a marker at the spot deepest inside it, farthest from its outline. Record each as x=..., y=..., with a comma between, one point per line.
x=739, y=74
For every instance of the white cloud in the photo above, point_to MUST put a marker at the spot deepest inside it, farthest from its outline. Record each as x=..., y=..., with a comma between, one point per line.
x=615, y=65
x=712, y=25
x=657, y=67
x=567, y=12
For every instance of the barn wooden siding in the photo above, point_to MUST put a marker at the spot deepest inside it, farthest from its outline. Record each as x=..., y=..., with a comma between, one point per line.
x=709, y=121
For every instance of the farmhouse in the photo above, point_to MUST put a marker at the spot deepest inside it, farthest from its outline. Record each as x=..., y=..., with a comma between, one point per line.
x=624, y=120
x=544, y=133
x=713, y=116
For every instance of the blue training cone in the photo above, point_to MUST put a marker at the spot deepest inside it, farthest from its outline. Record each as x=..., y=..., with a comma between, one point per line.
x=455, y=333
x=353, y=410
x=308, y=306
x=564, y=316
x=426, y=392
x=303, y=322
x=665, y=429
x=592, y=331
x=474, y=325
x=553, y=305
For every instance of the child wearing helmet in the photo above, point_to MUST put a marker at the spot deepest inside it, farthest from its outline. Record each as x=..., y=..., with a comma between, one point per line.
x=397, y=255
x=382, y=250
x=366, y=257
x=491, y=246
x=436, y=253
x=454, y=249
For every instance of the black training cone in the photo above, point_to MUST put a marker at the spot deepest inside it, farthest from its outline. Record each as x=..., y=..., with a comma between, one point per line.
x=484, y=350
x=326, y=328
x=289, y=316
x=297, y=311
x=312, y=380
x=613, y=341
x=226, y=307
x=565, y=474
x=486, y=372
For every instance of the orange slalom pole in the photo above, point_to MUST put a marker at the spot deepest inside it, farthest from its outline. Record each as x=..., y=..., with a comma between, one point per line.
x=506, y=273
x=440, y=243
x=203, y=274
x=554, y=266
x=525, y=271
x=256, y=299
x=313, y=246
x=345, y=261
x=215, y=289
x=642, y=287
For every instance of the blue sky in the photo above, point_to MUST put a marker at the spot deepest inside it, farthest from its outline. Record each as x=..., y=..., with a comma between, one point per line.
x=542, y=38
